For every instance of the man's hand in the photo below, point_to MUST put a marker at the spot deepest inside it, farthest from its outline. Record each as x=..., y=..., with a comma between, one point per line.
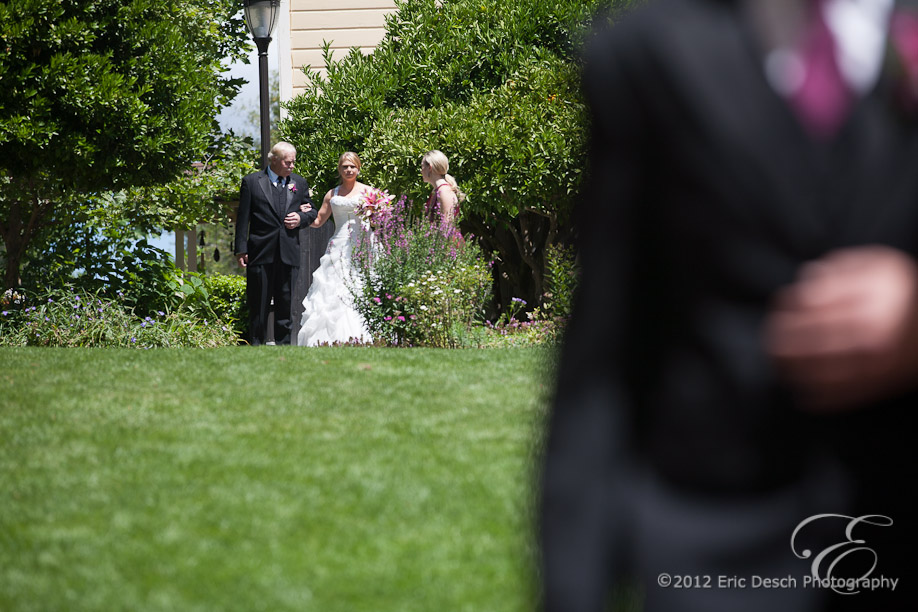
x=243, y=259
x=846, y=332
x=292, y=220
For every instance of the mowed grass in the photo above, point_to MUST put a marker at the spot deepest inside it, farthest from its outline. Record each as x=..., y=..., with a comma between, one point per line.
x=272, y=478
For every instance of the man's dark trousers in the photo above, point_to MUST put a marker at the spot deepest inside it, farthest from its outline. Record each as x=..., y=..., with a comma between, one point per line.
x=264, y=283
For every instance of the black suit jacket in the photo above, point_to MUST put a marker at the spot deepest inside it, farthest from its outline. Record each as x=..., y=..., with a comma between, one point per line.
x=706, y=196
x=260, y=225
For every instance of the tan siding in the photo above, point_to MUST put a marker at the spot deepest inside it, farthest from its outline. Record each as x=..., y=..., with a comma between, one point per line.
x=313, y=58
x=343, y=23
x=298, y=6
x=339, y=39
x=333, y=20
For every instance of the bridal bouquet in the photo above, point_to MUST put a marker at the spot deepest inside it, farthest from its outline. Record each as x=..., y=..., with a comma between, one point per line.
x=375, y=206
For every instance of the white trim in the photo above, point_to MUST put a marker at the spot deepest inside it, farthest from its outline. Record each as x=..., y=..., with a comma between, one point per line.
x=284, y=56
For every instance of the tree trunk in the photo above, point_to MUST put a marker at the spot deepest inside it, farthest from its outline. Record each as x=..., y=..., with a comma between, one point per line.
x=11, y=277
x=520, y=245
x=12, y=230
x=18, y=233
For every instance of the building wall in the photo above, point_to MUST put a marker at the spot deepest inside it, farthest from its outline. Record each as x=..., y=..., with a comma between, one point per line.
x=305, y=24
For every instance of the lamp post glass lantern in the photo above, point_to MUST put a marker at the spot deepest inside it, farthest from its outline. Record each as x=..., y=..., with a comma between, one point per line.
x=261, y=17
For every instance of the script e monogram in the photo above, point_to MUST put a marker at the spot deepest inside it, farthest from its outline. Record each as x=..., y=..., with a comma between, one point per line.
x=835, y=553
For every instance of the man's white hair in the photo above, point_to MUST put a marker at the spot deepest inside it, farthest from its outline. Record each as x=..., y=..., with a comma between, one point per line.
x=280, y=149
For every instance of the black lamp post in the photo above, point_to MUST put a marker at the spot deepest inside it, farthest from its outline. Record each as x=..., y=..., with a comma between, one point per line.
x=261, y=17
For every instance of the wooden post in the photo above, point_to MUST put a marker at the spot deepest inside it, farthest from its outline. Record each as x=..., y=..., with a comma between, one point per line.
x=180, y=249
x=192, y=236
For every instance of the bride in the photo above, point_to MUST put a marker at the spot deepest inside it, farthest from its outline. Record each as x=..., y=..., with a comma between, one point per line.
x=329, y=315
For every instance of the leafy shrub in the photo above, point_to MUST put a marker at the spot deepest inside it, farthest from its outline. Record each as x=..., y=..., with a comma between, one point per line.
x=561, y=276
x=445, y=303
x=216, y=297
x=228, y=300
x=546, y=323
x=74, y=318
x=101, y=95
x=190, y=292
x=108, y=261
x=510, y=330
x=12, y=302
x=421, y=283
x=111, y=264
x=515, y=333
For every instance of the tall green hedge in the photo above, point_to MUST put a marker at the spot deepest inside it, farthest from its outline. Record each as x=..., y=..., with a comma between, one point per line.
x=494, y=84
x=102, y=95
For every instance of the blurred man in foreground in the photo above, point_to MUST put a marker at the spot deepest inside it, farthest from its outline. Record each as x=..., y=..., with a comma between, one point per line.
x=735, y=411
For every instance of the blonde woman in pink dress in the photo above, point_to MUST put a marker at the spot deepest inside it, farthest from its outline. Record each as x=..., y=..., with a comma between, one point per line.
x=443, y=203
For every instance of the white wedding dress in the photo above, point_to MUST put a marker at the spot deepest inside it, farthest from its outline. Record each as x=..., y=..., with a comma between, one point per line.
x=328, y=309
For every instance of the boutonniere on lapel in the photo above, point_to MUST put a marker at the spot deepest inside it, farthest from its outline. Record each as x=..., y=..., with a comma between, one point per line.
x=903, y=54
x=291, y=186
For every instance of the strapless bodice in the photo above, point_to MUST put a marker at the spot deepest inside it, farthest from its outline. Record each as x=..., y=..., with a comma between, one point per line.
x=343, y=210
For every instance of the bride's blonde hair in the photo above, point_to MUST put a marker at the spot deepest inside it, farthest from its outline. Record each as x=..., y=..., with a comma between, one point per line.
x=351, y=157
x=440, y=165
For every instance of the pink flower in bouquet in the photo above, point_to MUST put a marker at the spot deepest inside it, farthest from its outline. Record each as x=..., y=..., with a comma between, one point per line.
x=903, y=38
x=375, y=205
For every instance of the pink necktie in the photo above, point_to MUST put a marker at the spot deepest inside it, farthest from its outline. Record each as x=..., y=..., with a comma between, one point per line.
x=823, y=98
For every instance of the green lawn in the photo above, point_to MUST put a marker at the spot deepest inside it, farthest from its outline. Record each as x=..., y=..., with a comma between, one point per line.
x=272, y=478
